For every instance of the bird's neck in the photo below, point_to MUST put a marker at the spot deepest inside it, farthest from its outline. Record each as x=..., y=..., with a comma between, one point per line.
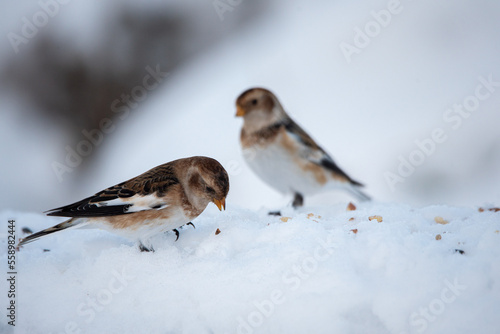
x=191, y=181
x=254, y=125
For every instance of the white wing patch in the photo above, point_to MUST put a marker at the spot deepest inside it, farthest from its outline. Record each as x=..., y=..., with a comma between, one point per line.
x=139, y=203
x=306, y=152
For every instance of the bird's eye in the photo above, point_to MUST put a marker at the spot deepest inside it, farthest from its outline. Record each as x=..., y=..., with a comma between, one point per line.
x=254, y=102
x=209, y=189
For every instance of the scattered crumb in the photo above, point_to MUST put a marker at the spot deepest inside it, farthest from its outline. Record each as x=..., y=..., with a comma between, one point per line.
x=497, y=231
x=354, y=230
x=438, y=237
x=459, y=251
x=490, y=209
x=217, y=232
x=378, y=218
x=352, y=219
x=46, y=250
x=285, y=219
x=311, y=215
x=440, y=220
x=351, y=207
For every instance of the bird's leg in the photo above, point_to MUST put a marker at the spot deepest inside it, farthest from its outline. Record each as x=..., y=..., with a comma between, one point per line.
x=191, y=224
x=298, y=200
x=143, y=248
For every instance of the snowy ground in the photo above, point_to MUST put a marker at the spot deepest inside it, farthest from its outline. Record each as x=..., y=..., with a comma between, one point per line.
x=317, y=272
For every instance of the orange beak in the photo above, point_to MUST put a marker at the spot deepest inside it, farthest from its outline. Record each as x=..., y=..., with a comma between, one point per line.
x=239, y=111
x=220, y=204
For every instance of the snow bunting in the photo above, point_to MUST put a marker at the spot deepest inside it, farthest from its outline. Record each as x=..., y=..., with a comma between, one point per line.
x=161, y=199
x=282, y=154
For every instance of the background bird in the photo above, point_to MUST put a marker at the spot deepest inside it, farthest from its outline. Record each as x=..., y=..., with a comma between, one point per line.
x=161, y=199
x=282, y=154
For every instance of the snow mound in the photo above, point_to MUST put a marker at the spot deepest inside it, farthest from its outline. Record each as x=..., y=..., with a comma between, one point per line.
x=318, y=270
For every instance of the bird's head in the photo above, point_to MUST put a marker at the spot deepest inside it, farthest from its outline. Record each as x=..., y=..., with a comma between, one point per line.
x=259, y=108
x=208, y=182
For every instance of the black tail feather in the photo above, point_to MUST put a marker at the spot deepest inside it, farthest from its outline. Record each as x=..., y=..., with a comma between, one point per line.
x=59, y=227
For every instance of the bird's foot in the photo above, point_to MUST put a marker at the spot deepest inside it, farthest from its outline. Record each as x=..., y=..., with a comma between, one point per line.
x=176, y=231
x=298, y=201
x=143, y=248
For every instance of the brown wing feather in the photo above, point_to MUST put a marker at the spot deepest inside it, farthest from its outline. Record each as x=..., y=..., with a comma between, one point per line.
x=326, y=161
x=294, y=128
x=157, y=180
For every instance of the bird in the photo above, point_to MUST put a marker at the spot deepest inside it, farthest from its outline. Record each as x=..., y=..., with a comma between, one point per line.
x=162, y=199
x=283, y=155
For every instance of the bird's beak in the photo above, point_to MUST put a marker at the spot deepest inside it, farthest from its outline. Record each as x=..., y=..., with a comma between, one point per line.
x=239, y=111
x=220, y=204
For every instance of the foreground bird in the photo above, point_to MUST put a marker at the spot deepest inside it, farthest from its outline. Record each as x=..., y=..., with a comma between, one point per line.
x=161, y=199
x=282, y=154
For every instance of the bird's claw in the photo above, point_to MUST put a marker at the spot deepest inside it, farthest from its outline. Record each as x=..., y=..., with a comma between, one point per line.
x=143, y=248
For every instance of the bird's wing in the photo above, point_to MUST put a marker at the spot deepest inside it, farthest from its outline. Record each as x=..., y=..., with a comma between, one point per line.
x=311, y=151
x=144, y=192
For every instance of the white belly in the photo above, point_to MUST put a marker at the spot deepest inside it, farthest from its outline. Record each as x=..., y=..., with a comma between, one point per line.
x=147, y=228
x=277, y=167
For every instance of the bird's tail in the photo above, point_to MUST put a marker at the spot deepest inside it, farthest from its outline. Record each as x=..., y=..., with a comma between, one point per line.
x=73, y=222
x=356, y=192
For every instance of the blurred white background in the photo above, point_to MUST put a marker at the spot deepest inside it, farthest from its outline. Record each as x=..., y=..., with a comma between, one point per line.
x=367, y=110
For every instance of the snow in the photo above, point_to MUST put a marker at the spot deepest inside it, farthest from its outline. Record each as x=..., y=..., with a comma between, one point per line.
x=261, y=274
